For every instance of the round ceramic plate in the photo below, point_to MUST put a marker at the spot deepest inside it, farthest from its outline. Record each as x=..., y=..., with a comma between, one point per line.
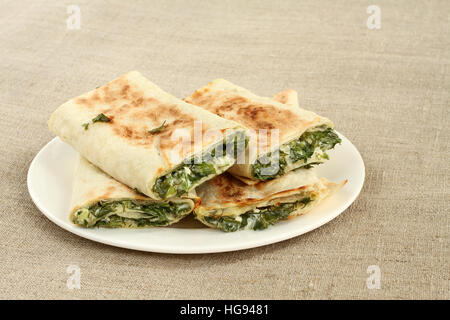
x=50, y=186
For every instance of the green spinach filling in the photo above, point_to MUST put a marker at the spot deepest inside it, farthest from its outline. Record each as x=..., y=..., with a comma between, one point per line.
x=130, y=213
x=213, y=162
x=257, y=219
x=272, y=165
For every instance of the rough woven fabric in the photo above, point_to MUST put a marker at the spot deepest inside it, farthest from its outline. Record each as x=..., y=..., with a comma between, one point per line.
x=387, y=90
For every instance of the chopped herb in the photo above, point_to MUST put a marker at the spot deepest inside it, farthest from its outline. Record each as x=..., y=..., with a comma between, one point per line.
x=186, y=176
x=130, y=213
x=299, y=151
x=183, y=179
x=101, y=118
x=158, y=129
x=258, y=219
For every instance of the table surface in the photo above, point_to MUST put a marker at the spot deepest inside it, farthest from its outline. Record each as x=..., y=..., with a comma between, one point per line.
x=387, y=90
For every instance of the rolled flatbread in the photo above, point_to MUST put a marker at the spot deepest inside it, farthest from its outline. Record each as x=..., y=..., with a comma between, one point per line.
x=230, y=205
x=100, y=201
x=282, y=138
x=146, y=138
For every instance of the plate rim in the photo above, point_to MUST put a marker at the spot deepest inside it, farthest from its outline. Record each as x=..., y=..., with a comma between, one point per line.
x=177, y=250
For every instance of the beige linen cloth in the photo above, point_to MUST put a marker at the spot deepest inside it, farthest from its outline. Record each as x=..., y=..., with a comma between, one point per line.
x=387, y=90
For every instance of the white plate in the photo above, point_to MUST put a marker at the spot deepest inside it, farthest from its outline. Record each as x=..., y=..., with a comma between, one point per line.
x=50, y=186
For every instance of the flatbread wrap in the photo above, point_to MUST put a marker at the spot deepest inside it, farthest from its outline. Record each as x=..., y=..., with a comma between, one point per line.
x=100, y=201
x=283, y=138
x=146, y=138
x=230, y=205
